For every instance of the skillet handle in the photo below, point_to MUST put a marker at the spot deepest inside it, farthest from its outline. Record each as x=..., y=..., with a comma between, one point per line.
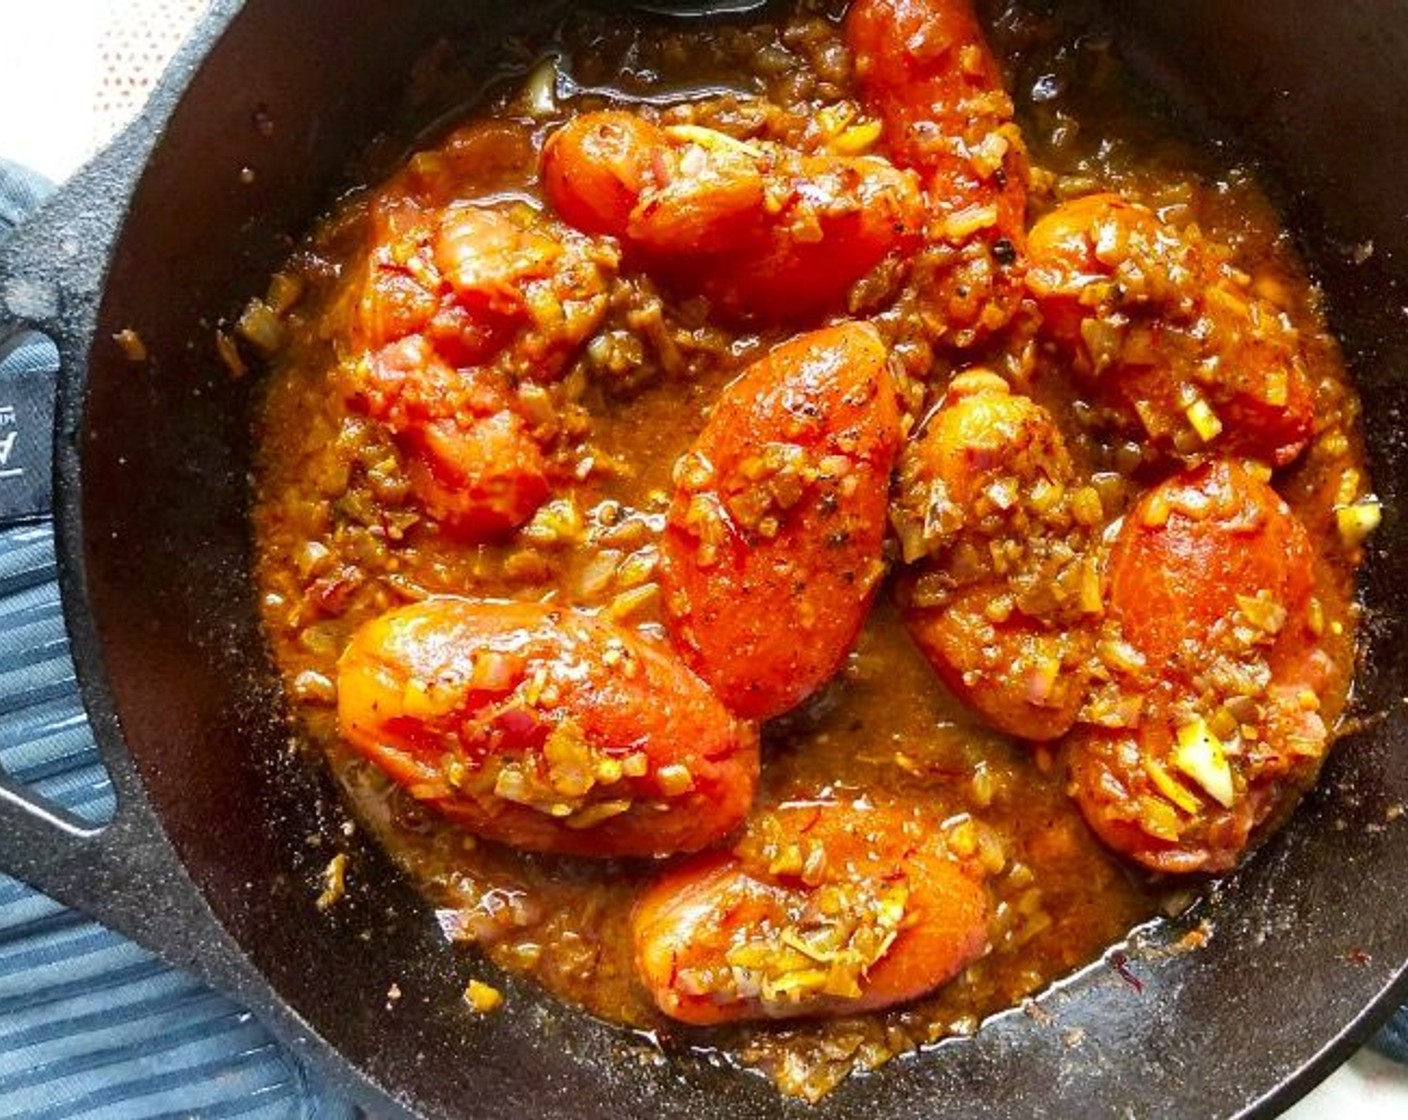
x=26, y=421
x=30, y=384
x=123, y=873
x=27, y=391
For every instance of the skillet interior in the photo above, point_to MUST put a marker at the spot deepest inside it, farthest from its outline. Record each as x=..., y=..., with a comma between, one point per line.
x=1306, y=936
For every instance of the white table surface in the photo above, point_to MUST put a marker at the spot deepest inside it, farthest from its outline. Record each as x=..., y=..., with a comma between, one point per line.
x=72, y=72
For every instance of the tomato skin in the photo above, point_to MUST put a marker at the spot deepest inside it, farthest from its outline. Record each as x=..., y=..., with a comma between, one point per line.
x=596, y=166
x=1015, y=656
x=388, y=301
x=698, y=199
x=546, y=728
x=694, y=917
x=995, y=669
x=1189, y=556
x=480, y=479
x=983, y=431
x=474, y=282
x=1109, y=779
x=1189, y=310
x=1175, y=576
x=1065, y=259
x=925, y=68
x=472, y=462
x=767, y=579
x=866, y=210
x=452, y=307
x=765, y=233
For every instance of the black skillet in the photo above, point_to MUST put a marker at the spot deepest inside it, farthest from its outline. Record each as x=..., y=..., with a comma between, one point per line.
x=208, y=859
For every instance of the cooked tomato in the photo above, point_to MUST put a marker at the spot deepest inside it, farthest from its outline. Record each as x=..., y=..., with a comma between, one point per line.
x=1003, y=583
x=1211, y=589
x=546, y=728
x=1170, y=333
x=927, y=71
x=893, y=589
x=472, y=462
x=596, y=167
x=773, y=549
x=763, y=231
x=485, y=285
x=826, y=908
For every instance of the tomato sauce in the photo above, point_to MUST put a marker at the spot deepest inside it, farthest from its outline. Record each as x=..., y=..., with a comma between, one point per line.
x=610, y=425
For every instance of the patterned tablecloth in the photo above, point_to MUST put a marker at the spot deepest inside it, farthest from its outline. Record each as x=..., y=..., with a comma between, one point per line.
x=91, y=1025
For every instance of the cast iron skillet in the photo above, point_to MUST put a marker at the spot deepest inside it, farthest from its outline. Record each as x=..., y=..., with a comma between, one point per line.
x=207, y=860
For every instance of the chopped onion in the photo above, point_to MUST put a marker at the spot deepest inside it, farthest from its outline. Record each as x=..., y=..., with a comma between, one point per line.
x=1204, y=420
x=1200, y=756
x=1358, y=520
